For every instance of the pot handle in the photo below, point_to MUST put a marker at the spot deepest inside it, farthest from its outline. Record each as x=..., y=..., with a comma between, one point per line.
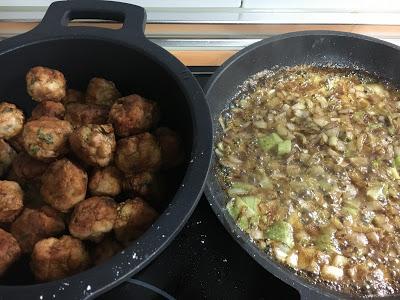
x=60, y=13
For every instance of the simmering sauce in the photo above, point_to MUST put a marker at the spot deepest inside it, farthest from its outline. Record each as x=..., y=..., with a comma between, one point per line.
x=310, y=160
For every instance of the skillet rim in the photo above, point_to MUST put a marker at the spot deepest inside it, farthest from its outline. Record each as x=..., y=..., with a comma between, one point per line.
x=306, y=288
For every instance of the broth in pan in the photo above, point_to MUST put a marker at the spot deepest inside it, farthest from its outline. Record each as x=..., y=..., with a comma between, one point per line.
x=310, y=160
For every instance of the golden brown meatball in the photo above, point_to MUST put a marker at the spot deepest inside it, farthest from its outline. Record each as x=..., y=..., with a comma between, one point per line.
x=138, y=153
x=94, y=144
x=17, y=142
x=101, y=91
x=79, y=114
x=44, y=84
x=105, y=182
x=7, y=155
x=48, y=109
x=11, y=200
x=46, y=138
x=104, y=250
x=140, y=183
x=26, y=168
x=172, y=151
x=134, y=217
x=73, y=96
x=63, y=185
x=92, y=218
x=133, y=114
x=54, y=258
x=34, y=225
x=11, y=120
x=9, y=250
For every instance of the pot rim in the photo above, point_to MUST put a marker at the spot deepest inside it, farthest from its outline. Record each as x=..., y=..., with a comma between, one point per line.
x=141, y=252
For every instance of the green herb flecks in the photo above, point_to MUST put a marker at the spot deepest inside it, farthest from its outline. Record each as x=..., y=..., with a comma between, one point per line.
x=34, y=149
x=45, y=137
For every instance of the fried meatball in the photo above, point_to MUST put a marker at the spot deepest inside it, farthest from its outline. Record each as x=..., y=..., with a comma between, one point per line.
x=133, y=218
x=17, y=142
x=48, y=109
x=45, y=84
x=92, y=218
x=73, y=96
x=7, y=155
x=94, y=144
x=11, y=200
x=9, y=250
x=172, y=151
x=133, y=114
x=140, y=184
x=54, y=258
x=63, y=185
x=104, y=250
x=11, y=120
x=101, y=91
x=46, y=138
x=138, y=153
x=26, y=168
x=34, y=225
x=105, y=182
x=79, y=114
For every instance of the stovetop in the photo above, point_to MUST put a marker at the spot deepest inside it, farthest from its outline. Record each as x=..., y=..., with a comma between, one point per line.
x=203, y=262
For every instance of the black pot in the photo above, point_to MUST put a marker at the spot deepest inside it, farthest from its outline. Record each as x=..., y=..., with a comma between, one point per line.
x=309, y=47
x=136, y=65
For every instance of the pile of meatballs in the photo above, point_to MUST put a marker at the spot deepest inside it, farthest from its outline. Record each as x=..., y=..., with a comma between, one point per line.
x=64, y=167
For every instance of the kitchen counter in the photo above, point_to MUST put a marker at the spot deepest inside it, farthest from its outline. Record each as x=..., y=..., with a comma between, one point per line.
x=211, y=44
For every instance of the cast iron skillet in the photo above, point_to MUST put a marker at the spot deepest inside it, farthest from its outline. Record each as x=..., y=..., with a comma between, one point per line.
x=308, y=47
x=136, y=66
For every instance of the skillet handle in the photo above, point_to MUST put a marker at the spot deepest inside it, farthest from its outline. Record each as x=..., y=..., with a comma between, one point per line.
x=60, y=13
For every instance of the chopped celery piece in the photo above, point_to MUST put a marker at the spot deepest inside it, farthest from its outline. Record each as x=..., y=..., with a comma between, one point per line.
x=251, y=204
x=397, y=161
x=281, y=231
x=270, y=141
x=358, y=116
x=351, y=207
x=375, y=125
x=325, y=185
x=233, y=209
x=394, y=173
x=375, y=163
x=350, y=210
x=266, y=183
x=285, y=147
x=243, y=223
x=244, y=210
x=377, y=191
x=327, y=242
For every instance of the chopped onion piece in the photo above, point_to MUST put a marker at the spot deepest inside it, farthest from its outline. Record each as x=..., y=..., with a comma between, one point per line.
x=339, y=261
x=292, y=260
x=281, y=251
x=331, y=273
x=321, y=122
x=260, y=124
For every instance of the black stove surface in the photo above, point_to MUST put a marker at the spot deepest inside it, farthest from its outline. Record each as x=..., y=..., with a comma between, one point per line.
x=204, y=262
